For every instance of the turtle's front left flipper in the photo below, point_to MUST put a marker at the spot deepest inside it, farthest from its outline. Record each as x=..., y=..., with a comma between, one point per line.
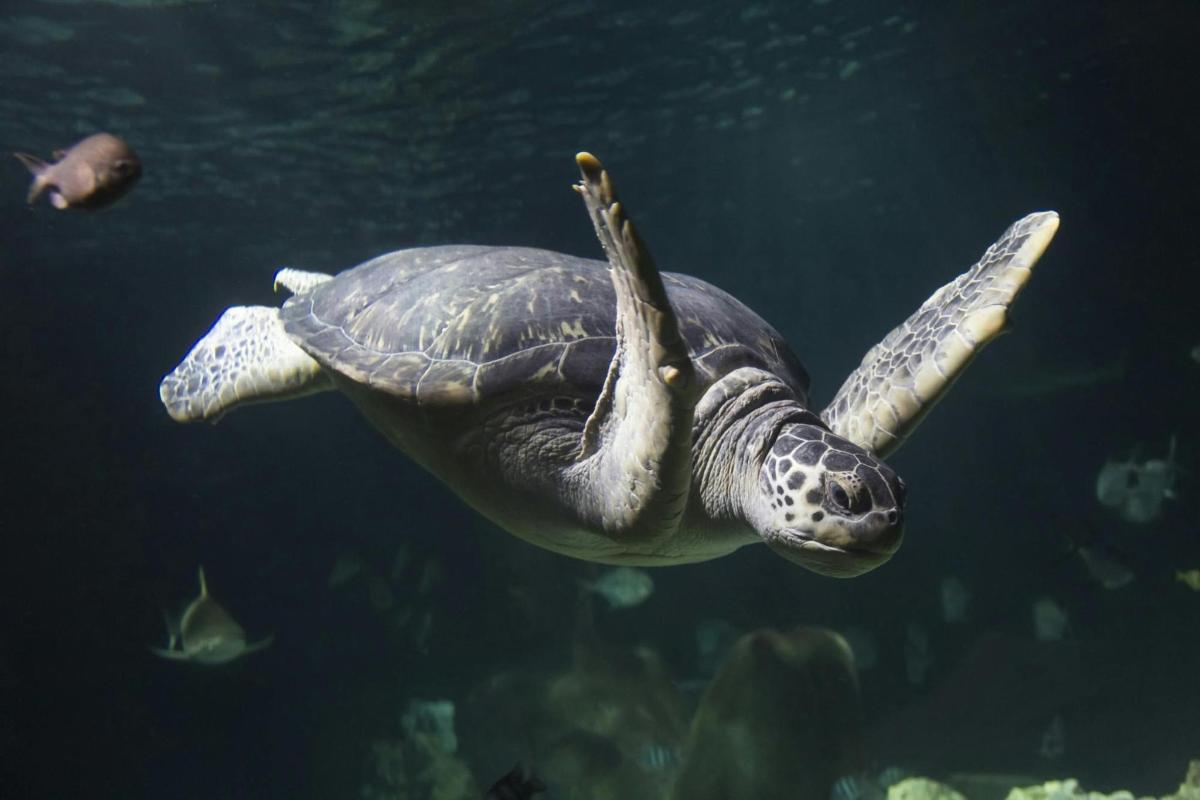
x=902, y=377
x=634, y=469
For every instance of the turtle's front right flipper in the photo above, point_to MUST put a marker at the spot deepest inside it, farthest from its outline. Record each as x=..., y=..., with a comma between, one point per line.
x=634, y=470
x=246, y=358
x=902, y=377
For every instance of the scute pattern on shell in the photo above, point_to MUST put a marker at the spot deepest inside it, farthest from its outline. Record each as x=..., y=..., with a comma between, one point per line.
x=458, y=324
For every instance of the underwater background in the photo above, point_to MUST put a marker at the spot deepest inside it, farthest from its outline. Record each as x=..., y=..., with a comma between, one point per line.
x=830, y=163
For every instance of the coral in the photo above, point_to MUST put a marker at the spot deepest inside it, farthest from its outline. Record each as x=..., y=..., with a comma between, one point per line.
x=434, y=719
x=922, y=789
x=1190, y=788
x=1065, y=790
x=987, y=785
x=417, y=768
x=1069, y=790
x=608, y=728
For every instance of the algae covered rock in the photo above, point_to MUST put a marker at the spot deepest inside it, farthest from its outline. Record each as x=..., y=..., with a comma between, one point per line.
x=607, y=728
x=781, y=720
x=416, y=768
x=1070, y=790
x=1190, y=788
x=988, y=785
x=1066, y=790
x=922, y=789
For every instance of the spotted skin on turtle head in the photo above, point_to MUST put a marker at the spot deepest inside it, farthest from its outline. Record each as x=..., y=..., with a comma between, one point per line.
x=833, y=507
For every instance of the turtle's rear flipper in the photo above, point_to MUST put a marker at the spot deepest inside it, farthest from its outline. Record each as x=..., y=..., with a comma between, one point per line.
x=903, y=376
x=245, y=358
x=298, y=281
x=634, y=470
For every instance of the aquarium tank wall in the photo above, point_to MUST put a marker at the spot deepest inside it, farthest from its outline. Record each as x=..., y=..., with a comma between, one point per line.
x=506, y=536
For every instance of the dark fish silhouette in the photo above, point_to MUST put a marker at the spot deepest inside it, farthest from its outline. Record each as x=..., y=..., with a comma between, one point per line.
x=516, y=785
x=90, y=174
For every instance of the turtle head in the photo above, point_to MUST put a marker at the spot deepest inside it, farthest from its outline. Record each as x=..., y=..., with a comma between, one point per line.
x=827, y=504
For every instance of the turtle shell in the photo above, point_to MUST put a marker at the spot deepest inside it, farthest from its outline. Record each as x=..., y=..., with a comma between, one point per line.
x=466, y=325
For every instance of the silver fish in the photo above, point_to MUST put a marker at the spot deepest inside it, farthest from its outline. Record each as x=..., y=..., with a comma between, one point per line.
x=1050, y=621
x=918, y=654
x=206, y=634
x=956, y=599
x=1054, y=739
x=623, y=587
x=856, y=787
x=90, y=174
x=1105, y=566
x=1138, y=488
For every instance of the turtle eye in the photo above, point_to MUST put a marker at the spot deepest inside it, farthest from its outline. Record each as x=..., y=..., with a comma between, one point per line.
x=838, y=495
x=847, y=495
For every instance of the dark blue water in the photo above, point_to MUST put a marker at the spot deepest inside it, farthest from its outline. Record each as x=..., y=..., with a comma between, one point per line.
x=829, y=163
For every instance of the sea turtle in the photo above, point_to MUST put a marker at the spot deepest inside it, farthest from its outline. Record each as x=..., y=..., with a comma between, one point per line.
x=611, y=412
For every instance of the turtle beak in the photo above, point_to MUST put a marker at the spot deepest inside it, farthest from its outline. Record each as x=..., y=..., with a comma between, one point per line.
x=839, y=550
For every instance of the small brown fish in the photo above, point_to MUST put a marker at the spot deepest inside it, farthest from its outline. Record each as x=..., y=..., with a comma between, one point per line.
x=91, y=174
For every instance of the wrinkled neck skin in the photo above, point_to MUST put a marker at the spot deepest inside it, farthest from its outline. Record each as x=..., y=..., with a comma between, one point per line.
x=766, y=468
x=737, y=422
